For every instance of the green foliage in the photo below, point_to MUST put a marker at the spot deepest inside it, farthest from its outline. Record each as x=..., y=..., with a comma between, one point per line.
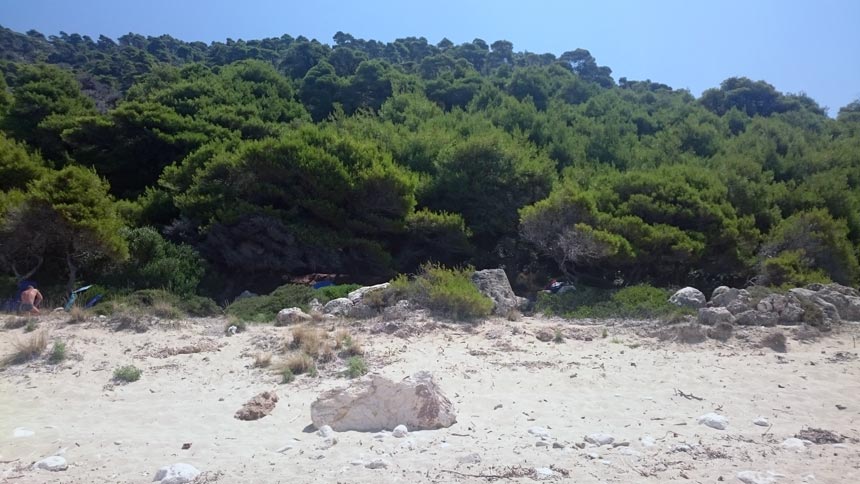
x=287, y=376
x=31, y=326
x=356, y=367
x=265, y=308
x=448, y=292
x=809, y=245
x=639, y=301
x=165, y=304
x=58, y=352
x=155, y=263
x=325, y=294
x=127, y=374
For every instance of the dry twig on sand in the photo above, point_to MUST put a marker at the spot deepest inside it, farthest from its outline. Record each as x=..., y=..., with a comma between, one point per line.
x=688, y=396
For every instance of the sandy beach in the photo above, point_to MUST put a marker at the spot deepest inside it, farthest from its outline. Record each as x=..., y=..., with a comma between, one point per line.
x=524, y=406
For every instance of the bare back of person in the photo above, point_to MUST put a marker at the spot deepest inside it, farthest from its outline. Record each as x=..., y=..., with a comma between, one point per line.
x=30, y=300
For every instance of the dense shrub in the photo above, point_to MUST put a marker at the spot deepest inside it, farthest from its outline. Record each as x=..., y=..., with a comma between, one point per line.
x=447, y=292
x=639, y=301
x=325, y=294
x=157, y=263
x=127, y=373
x=161, y=303
x=265, y=308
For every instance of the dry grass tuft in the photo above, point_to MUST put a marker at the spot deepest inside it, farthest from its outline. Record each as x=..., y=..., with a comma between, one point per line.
x=307, y=339
x=341, y=337
x=28, y=348
x=326, y=353
x=165, y=310
x=262, y=359
x=316, y=316
x=15, y=323
x=514, y=315
x=77, y=315
x=299, y=363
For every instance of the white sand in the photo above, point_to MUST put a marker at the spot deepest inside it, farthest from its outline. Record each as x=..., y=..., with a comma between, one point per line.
x=501, y=378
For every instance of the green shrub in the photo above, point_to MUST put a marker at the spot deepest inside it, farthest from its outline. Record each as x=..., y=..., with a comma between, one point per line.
x=287, y=376
x=447, y=292
x=640, y=301
x=791, y=268
x=161, y=303
x=355, y=367
x=58, y=352
x=265, y=308
x=31, y=326
x=128, y=373
x=326, y=294
x=199, y=306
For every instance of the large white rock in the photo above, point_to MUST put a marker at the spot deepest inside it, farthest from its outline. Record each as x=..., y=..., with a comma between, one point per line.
x=688, y=297
x=599, y=439
x=338, y=307
x=292, y=316
x=55, y=463
x=176, y=474
x=845, y=299
x=713, y=316
x=714, y=421
x=494, y=284
x=753, y=477
x=375, y=403
x=358, y=294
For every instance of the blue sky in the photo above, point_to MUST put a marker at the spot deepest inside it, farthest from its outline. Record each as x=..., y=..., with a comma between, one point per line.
x=801, y=45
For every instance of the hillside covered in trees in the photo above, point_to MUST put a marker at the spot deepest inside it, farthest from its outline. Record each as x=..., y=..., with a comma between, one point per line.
x=149, y=162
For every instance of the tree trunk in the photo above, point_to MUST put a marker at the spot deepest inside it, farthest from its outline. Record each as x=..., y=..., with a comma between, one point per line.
x=73, y=275
x=22, y=277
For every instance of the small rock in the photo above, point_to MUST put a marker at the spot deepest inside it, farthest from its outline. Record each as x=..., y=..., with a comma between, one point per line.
x=539, y=432
x=325, y=431
x=54, y=463
x=400, y=431
x=621, y=444
x=647, y=441
x=380, y=435
x=714, y=421
x=681, y=448
x=542, y=443
x=285, y=448
x=357, y=462
x=117, y=442
x=753, y=477
x=23, y=432
x=793, y=443
x=556, y=445
x=579, y=445
x=176, y=474
x=542, y=473
x=473, y=458
x=292, y=316
x=545, y=335
x=257, y=407
x=761, y=422
x=376, y=464
x=599, y=439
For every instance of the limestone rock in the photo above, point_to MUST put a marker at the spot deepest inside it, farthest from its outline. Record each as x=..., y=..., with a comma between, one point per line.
x=539, y=432
x=721, y=331
x=846, y=300
x=761, y=422
x=599, y=438
x=401, y=310
x=829, y=312
x=753, y=477
x=325, y=431
x=688, y=297
x=714, y=421
x=786, y=307
x=756, y=318
x=375, y=403
x=376, y=464
x=735, y=300
x=258, y=407
x=494, y=284
x=176, y=474
x=338, y=307
x=292, y=316
x=55, y=463
x=361, y=310
x=315, y=305
x=358, y=294
x=713, y=316
x=400, y=431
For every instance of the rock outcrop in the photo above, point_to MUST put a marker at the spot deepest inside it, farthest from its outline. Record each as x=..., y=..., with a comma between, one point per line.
x=494, y=284
x=688, y=297
x=338, y=307
x=292, y=316
x=375, y=403
x=359, y=294
x=713, y=316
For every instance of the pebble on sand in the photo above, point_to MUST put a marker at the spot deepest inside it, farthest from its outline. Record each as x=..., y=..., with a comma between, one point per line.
x=714, y=421
x=54, y=463
x=761, y=422
x=400, y=431
x=599, y=438
x=176, y=474
x=376, y=464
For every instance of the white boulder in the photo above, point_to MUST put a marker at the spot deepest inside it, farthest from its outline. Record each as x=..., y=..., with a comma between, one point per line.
x=176, y=474
x=714, y=316
x=358, y=294
x=292, y=316
x=688, y=297
x=338, y=307
x=714, y=421
x=375, y=403
x=55, y=463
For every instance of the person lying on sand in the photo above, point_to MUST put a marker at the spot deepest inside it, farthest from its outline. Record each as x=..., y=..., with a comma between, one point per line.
x=30, y=300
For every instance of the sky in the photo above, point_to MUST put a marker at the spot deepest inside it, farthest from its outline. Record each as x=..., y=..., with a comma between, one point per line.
x=810, y=46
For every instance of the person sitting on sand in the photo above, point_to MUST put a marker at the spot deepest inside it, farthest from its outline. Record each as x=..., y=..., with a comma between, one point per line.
x=30, y=300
